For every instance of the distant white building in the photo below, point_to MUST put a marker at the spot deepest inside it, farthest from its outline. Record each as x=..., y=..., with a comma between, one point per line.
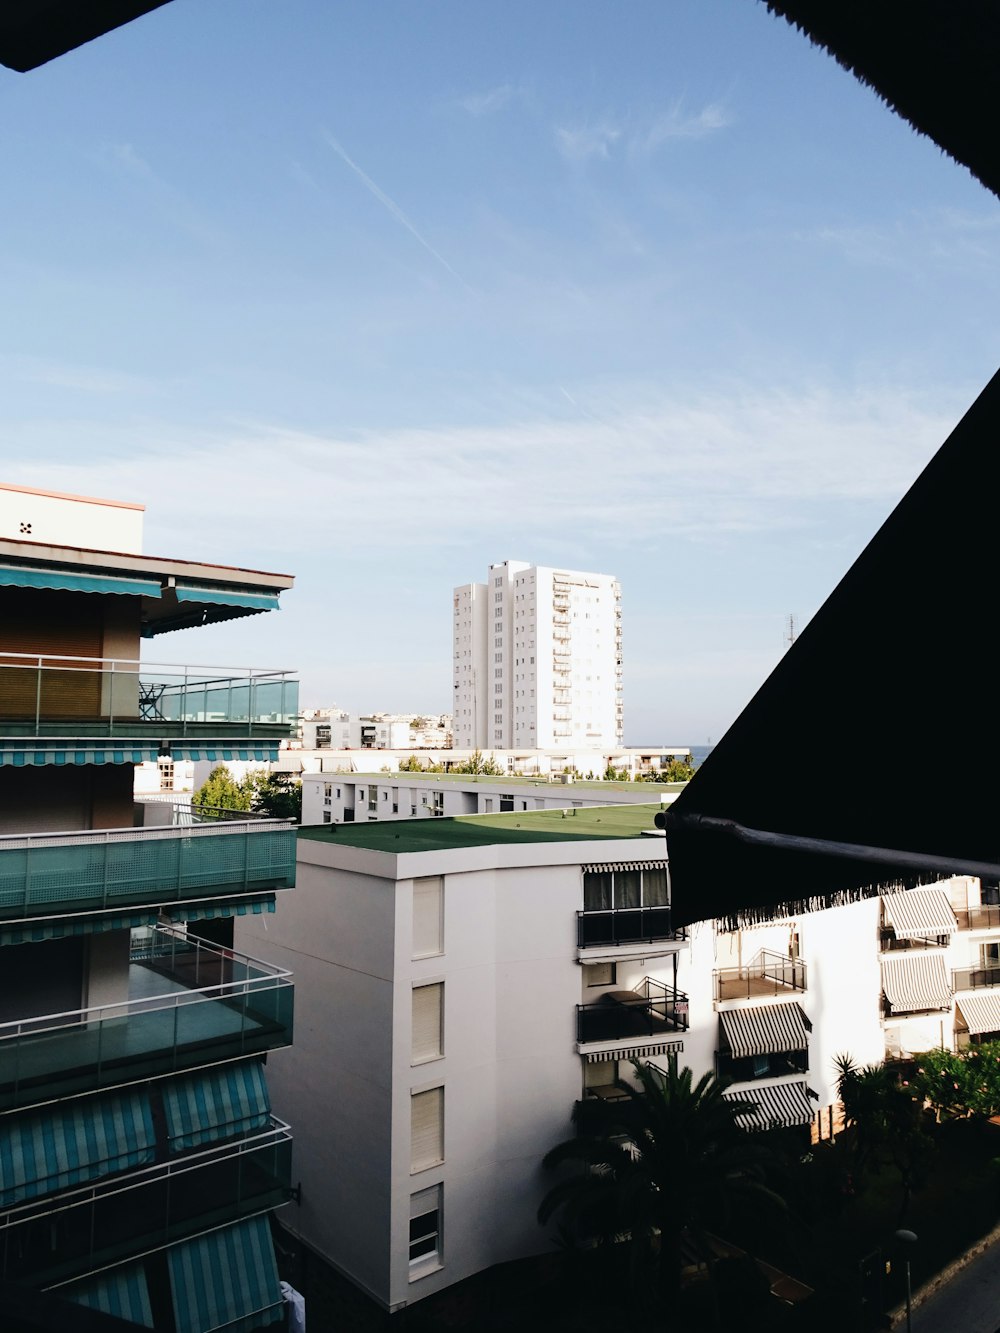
x=537, y=659
x=335, y=729
x=335, y=798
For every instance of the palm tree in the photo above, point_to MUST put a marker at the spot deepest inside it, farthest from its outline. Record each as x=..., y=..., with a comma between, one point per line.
x=668, y=1158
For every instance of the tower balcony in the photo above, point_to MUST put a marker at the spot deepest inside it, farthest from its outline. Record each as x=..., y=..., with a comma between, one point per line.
x=190, y=1004
x=48, y=874
x=60, y=706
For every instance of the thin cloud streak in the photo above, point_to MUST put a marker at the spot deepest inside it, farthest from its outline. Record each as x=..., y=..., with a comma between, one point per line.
x=393, y=208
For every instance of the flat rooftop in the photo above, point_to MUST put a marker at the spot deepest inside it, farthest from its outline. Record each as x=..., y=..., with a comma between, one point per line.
x=576, y=824
x=515, y=782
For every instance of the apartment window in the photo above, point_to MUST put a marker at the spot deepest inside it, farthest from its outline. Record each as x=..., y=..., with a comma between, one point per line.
x=428, y=1023
x=166, y=767
x=327, y=816
x=428, y=916
x=425, y=1229
x=373, y=798
x=426, y=1129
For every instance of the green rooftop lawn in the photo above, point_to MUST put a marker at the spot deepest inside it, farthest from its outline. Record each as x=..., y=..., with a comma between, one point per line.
x=576, y=824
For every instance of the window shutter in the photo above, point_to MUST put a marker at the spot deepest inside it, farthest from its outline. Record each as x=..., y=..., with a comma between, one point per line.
x=428, y=1015
x=428, y=895
x=426, y=1129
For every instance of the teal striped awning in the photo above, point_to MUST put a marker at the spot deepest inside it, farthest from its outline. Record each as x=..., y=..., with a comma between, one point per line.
x=218, y=911
x=70, y=1145
x=219, y=1104
x=36, y=932
x=226, y=1280
x=15, y=754
x=258, y=601
x=122, y=1292
x=181, y=749
x=66, y=580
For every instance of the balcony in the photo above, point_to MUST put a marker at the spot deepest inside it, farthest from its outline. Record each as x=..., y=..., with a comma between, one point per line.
x=624, y=926
x=975, y=978
x=77, y=697
x=652, y=1009
x=72, y=1232
x=768, y=974
x=773, y=1064
x=979, y=918
x=45, y=874
x=189, y=1005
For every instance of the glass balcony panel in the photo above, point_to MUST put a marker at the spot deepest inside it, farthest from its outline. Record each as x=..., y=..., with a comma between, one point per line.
x=56, y=873
x=189, y=1005
x=114, y=697
x=71, y=1233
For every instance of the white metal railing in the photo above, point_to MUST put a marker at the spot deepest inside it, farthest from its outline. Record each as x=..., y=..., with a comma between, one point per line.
x=91, y=837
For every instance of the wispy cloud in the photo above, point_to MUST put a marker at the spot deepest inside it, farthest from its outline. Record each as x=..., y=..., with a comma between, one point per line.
x=639, y=137
x=171, y=203
x=495, y=99
x=610, y=468
x=392, y=208
x=586, y=141
x=75, y=377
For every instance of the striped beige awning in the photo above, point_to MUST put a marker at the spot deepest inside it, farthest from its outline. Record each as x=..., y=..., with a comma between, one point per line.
x=915, y=981
x=765, y=1029
x=981, y=1011
x=919, y=913
x=634, y=1052
x=600, y=866
x=777, y=1104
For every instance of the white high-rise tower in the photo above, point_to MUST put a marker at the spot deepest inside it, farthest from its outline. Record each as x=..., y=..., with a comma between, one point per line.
x=537, y=660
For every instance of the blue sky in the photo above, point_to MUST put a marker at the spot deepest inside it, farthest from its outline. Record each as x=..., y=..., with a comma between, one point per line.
x=379, y=293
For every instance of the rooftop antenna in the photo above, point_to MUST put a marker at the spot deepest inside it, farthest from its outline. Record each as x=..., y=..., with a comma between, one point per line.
x=791, y=630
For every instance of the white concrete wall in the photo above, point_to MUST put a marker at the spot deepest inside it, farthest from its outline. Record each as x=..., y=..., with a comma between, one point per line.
x=70, y=520
x=335, y=932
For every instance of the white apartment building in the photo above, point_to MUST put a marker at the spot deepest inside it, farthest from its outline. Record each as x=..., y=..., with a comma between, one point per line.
x=335, y=729
x=334, y=798
x=537, y=659
x=485, y=973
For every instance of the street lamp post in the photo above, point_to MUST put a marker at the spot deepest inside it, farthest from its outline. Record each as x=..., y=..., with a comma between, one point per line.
x=907, y=1239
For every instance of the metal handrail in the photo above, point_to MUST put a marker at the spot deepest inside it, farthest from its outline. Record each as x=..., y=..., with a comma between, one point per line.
x=247, y=823
x=228, y=673
x=72, y=1018
x=31, y=1209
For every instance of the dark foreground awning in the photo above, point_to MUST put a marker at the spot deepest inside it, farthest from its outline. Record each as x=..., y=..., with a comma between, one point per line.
x=932, y=61
x=887, y=675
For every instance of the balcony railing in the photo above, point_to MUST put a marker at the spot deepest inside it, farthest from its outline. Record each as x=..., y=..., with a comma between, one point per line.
x=190, y=1004
x=652, y=1009
x=974, y=978
x=768, y=974
x=626, y=925
x=979, y=918
x=74, y=1231
x=105, y=696
x=55, y=873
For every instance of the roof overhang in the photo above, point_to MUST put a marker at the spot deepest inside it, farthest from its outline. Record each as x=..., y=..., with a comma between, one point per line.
x=174, y=594
x=33, y=32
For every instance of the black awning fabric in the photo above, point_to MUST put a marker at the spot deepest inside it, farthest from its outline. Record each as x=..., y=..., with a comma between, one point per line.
x=879, y=727
x=933, y=61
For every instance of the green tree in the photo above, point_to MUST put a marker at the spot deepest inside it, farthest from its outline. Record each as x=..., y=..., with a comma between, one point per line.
x=957, y=1085
x=477, y=764
x=888, y=1120
x=668, y=1158
x=276, y=795
x=221, y=791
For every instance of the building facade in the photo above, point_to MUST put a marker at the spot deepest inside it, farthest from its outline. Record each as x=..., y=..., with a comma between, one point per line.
x=537, y=660
x=139, y=1156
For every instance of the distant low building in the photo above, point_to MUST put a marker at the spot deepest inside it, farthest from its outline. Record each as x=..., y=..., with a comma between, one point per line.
x=336, y=729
